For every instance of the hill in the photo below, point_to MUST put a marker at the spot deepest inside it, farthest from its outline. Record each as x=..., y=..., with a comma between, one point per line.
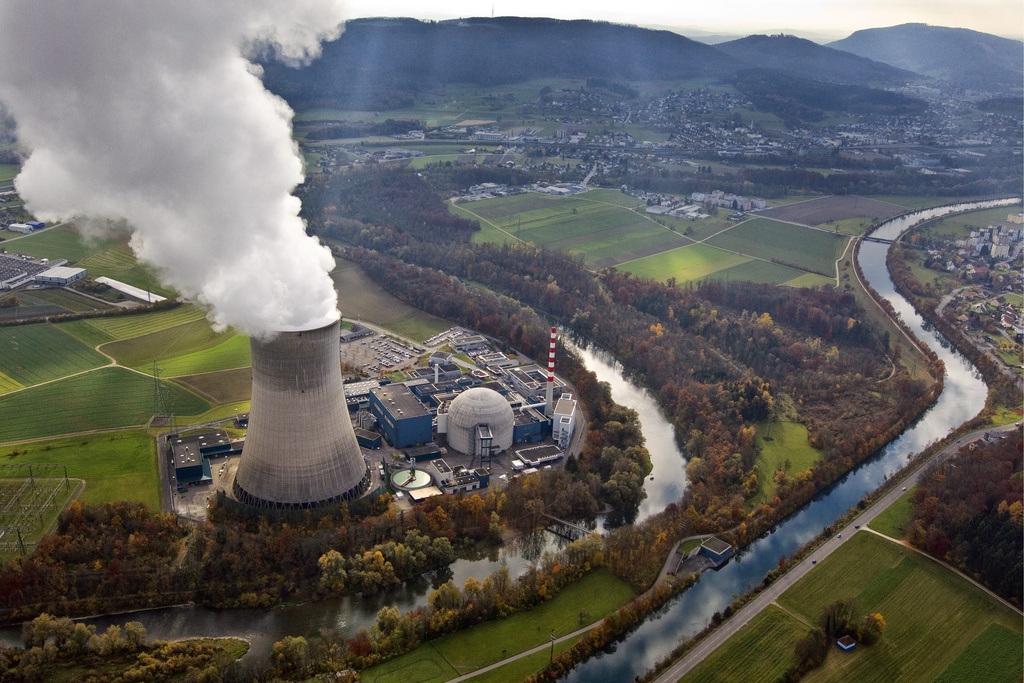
x=374, y=56
x=960, y=56
x=809, y=60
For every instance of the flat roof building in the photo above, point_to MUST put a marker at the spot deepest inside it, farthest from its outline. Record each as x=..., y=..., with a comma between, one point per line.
x=404, y=420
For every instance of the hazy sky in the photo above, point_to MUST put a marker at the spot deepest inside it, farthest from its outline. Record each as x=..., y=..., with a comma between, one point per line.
x=832, y=18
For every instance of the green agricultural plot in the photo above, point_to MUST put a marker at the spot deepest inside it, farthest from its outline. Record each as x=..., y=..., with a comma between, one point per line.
x=60, y=242
x=933, y=615
x=85, y=332
x=128, y=326
x=773, y=274
x=686, y=264
x=68, y=299
x=42, y=352
x=9, y=171
x=760, y=652
x=804, y=248
x=119, y=263
x=8, y=384
x=895, y=517
x=115, y=466
x=783, y=447
x=938, y=624
x=994, y=656
x=108, y=398
x=223, y=387
x=166, y=344
x=230, y=353
x=597, y=594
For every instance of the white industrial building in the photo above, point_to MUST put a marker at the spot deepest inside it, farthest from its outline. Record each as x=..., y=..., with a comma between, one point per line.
x=563, y=421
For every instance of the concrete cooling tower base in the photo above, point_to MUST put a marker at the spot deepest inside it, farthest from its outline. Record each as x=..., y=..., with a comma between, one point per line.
x=300, y=450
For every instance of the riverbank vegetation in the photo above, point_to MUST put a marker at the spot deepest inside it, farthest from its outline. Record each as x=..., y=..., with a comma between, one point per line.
x=58, y=649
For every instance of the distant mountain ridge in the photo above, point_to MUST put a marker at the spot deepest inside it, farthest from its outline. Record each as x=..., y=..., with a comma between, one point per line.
x=382, y=63
x=956, y=55
x=790, y=54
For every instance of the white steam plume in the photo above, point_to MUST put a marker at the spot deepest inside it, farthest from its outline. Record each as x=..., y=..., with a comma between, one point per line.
x=150, y=112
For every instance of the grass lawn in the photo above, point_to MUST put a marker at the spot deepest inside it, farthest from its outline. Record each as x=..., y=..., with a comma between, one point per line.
x=69, y=299
x=783, y=447
x=360, y=298
x=115, y=466
x=933, y=615
x=895, y=517
x=108, y=398
x=761, y=651
x=30, y=354
x=597, y=594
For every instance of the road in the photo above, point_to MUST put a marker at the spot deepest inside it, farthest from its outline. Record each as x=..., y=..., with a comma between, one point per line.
x=769, y=595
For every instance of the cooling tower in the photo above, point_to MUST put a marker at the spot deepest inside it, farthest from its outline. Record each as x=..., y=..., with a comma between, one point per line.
x=300, y=450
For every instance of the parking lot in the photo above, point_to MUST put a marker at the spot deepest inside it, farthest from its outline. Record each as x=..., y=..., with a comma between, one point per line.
x=379, y=354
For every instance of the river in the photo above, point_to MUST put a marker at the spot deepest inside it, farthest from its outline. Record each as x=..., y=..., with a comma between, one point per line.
x=962, y=398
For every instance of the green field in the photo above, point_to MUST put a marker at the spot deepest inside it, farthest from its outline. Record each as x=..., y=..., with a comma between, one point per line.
x=39, y=353
x=116, y=466
x=108, y=398
x=597, y=594
x=938, y=624
x=688, y=264
x=118, y=262
x=68, y=299
x=783, y=446
x=128, y=326
x=223, y=386
x=418, y=326
x=60, y=242
x=804, y=248
x=163, y=345
x=759, y=653
x=230, y=353
x=933, y=615
x=895, y=517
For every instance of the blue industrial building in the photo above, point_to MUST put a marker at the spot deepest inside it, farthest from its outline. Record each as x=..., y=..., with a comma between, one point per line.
x=404, y=420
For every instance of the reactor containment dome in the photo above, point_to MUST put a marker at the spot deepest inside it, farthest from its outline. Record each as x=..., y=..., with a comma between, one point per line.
x=300, y=449
x=480, y=422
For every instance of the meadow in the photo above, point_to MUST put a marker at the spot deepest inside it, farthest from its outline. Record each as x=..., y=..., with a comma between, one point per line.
x=107, y=398
x=596, y=595
x=895, y=517
x=783, y=447
x=116, y=466
x=938, y=624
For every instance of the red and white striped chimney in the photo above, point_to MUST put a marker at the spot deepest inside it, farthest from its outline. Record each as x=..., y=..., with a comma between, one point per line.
x=549, y=407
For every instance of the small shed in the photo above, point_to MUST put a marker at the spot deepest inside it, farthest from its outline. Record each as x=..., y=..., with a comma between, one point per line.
x=846, y=643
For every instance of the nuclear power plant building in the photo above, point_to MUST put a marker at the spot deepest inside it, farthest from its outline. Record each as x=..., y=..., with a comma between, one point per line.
x=300, y=448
